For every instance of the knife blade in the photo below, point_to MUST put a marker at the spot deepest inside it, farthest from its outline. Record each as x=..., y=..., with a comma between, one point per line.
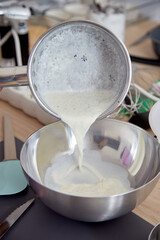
x=141, y=39
x=145, y=36
x=13, y=217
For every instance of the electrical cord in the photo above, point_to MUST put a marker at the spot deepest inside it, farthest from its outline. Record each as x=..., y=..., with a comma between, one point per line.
x=17, y=47
x=144, y=92
x=153, y=62
x=17, y=44
x=5, y=38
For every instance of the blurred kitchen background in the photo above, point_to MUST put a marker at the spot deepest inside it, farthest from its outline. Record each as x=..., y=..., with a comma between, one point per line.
x=23, y=22
x=16, y=17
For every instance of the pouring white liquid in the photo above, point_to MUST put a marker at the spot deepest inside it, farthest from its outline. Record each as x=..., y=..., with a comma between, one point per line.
x=82, y=176
x=79, y=110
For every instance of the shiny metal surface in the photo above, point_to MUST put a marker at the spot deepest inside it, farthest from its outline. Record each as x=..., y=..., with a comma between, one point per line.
x=64, y=50
x=119, y=142
x=7, y=223
x=155, y=233
x=74, y=55
x=13, y=76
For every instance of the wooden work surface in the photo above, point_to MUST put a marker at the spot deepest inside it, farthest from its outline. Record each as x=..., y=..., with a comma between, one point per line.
x=25, y=125
x=150, y=208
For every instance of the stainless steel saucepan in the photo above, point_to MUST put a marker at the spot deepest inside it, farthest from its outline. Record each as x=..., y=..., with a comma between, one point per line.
x=75, y=55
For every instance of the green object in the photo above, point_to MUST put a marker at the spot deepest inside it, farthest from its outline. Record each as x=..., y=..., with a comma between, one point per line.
x=12, y=179
x=145, y=103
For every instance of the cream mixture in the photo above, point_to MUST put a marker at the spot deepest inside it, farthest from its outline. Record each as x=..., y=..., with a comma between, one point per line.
x=79, y=110
x=74, y=173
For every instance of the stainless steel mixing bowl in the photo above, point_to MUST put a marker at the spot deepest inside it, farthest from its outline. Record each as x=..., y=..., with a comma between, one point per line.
x=122, y=143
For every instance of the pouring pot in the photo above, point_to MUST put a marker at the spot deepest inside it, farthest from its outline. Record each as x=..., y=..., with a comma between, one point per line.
x=74, y=55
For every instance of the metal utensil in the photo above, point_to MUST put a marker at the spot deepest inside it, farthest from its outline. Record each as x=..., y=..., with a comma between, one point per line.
x=141, y=39
x=7, y=223
x=75, y=55
x=154, y=35
x=145, y=36
x=12, y=179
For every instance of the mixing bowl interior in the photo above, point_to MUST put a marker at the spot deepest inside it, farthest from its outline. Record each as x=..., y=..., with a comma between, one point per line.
x=117, y=142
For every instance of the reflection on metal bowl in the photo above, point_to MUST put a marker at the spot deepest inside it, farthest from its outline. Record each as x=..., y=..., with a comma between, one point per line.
x=119, y=142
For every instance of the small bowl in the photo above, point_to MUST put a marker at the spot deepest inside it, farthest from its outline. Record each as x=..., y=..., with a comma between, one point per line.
x=120, y=142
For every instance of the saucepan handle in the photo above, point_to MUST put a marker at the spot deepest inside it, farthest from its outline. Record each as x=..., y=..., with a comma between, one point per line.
x=13, y=76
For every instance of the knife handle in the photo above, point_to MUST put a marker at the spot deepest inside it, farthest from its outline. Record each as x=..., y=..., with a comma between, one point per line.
x=4, y=226
x=9, y=139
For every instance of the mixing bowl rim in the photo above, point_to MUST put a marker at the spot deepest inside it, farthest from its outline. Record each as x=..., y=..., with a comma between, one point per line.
x=93, y=197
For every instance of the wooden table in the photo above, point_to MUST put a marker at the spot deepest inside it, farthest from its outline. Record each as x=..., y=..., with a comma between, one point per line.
x=150, y=208
x=25, y=125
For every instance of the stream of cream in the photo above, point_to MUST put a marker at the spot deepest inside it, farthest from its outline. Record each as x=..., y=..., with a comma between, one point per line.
x=79, y=110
